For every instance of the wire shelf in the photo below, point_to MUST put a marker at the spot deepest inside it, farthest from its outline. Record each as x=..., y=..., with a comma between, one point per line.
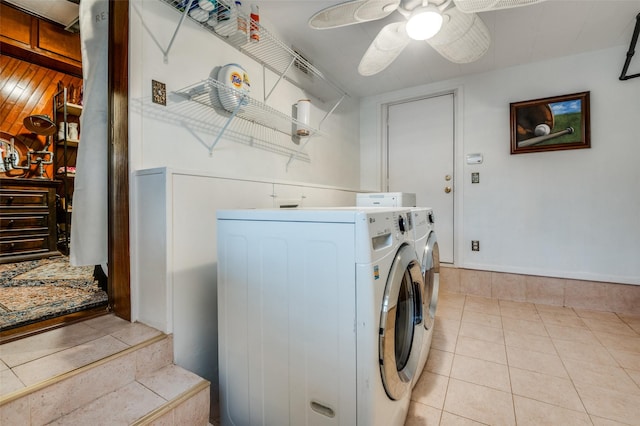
x=208, y=93
x=269, y=51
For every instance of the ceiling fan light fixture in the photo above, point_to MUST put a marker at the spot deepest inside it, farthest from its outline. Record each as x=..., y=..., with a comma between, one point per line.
x=424, y=23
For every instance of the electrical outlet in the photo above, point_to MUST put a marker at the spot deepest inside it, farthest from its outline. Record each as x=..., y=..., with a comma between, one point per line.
x=475, y=177
x=475, y=245
x=158, y=93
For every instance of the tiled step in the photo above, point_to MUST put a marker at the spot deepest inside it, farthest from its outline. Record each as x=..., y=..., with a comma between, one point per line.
x=121, y=375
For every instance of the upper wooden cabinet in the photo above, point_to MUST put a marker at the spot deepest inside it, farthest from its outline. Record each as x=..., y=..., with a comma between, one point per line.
x=38, y=41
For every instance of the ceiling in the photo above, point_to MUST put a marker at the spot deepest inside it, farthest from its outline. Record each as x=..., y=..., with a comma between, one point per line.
x=520, y=35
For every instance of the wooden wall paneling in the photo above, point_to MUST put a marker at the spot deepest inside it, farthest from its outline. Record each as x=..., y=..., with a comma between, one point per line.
x=30, y=90
x=56, y=40
x=20, y=37
x=16, y=25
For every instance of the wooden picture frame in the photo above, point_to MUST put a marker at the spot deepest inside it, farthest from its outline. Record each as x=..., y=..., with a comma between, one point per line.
x=550, y=124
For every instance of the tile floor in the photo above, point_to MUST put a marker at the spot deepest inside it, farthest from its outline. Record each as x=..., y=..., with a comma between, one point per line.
x=491, y=362
x=40, y=357
x=500, y=362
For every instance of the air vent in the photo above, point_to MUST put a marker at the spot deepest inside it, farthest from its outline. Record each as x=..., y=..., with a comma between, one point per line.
x=302, y=64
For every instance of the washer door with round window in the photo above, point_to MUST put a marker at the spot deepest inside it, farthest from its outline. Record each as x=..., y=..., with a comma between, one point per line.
x=431, y=271
x=401, y=324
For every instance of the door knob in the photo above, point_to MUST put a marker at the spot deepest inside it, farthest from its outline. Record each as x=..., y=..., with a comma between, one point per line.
x=447, y=189
x=447, y=178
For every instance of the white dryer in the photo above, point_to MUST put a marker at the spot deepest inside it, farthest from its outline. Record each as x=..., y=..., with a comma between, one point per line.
x=318, y=316
x=426, y=245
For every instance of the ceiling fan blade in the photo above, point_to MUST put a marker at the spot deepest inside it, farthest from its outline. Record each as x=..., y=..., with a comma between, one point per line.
x=385, y=48
x=472, y=6
x=352, y=12
x=463, y=38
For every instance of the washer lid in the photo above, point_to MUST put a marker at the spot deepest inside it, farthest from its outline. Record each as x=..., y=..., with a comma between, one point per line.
x=400, y=339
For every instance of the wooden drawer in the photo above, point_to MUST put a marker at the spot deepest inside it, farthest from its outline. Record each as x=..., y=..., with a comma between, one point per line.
x=22, y=198
x=34, y=244
x=27, y=224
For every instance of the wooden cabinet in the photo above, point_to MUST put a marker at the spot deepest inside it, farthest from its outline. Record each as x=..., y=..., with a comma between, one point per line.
x=37, y=41
x=27, y=219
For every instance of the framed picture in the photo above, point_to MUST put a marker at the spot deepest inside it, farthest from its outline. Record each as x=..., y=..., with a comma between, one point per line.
x=550, y=124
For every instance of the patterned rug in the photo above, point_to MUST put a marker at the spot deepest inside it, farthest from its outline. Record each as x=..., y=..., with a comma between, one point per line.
x=41, y=289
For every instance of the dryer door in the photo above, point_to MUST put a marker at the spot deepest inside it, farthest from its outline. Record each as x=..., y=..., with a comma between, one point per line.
x=431, y=271
x=400, y=324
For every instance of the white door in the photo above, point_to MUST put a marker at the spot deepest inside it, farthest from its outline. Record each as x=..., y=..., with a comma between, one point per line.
x=420, y=150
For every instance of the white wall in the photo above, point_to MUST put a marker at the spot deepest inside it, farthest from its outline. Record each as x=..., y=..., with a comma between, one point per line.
x=572, y=214
x=179, y=134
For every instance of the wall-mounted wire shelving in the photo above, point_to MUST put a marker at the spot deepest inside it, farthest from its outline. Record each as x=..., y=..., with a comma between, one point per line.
x=271, y=53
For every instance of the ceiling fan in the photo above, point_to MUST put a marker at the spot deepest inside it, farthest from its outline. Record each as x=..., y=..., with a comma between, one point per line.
x=451, y=27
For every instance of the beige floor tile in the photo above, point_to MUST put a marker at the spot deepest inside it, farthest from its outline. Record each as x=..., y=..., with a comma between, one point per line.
x=430, y=390
x=615, y=326
x=481, y=349
x=619, y=343
x=630, y=360
x=583, y=351
x=562, y=319
x=635, y=376
x=9, y=382
x=530, y=342
x=483, y=305
x=24, y=350
x=597, y=315
x=449, y=419
x=526, y=314
x=479, y=403
x=548, y=389
x=602, y=376
x=599, y=421
x=449, y=312
x=608, y=404
x=525, y=327
x=481, y=372
x=135, y=333
x=64, y=397
x=447, y=326
x=443, y=342
x=154, y=356
x=482, y=319
x=535, y=413
x=15, y=412
x=574, y=334
x=552, y=309
x=194, y=411
x=439, y=362
x=536, y=361
x=121, y=408
x=453, y=298
x=108, y=323
x=481, y=332
x=68, y=360
x=170, y=381
x=519, y=306
x=422, y=415
x=3, y=366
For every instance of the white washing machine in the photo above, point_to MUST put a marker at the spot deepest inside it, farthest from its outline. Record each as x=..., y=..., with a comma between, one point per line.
x=426, y=245
x=319, y=318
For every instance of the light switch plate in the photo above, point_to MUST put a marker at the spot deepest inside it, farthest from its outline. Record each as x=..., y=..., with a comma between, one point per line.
x=475, y=177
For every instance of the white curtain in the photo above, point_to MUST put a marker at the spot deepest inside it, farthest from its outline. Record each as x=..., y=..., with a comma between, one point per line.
x=89, y=220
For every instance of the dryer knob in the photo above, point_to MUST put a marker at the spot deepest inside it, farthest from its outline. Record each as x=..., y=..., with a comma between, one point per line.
x=401, y=224
x=431, y=219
